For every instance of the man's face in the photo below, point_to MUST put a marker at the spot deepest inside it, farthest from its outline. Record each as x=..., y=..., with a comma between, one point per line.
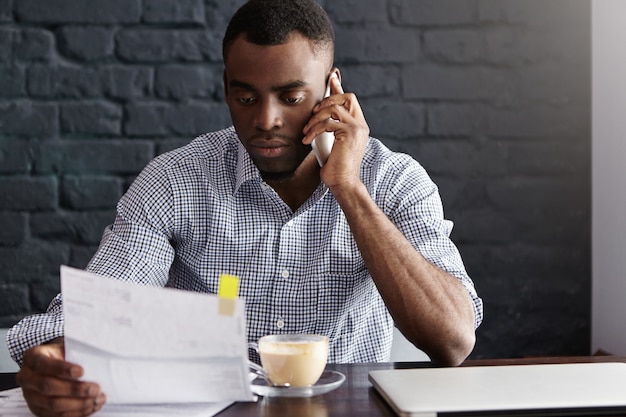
x=271, y=91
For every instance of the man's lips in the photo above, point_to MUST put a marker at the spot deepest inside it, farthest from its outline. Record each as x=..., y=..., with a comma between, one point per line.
x=269, y=145
x=267, y=148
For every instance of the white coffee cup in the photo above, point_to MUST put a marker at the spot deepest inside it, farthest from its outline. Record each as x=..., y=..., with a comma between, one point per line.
x=293, y=360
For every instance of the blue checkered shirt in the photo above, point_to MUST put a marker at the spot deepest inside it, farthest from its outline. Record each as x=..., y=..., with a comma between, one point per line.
x=203, y=210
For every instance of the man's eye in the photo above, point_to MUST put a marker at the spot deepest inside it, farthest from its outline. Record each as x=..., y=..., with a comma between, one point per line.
x=293, y=100
x=246, y=100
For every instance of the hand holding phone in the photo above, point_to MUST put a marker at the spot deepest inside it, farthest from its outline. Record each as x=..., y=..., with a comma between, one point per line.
x=323, y=143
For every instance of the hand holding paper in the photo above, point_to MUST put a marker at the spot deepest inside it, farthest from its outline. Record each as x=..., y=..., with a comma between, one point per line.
x=147, y=344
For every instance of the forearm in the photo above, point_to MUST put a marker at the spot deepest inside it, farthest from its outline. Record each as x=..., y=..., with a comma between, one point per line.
x=431, y=307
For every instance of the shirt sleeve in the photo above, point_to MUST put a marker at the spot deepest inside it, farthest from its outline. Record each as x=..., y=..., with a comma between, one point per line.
x=35, y=330
x=411, y=200
x=137, y=246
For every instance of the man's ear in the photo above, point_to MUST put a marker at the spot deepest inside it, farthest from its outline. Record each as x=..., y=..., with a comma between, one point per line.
x=336, y=71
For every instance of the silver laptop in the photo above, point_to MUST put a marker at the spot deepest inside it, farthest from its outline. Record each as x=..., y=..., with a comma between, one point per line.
x=574, y=389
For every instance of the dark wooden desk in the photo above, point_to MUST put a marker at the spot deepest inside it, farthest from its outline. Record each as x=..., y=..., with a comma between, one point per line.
x=355, y=397
x=7, y=381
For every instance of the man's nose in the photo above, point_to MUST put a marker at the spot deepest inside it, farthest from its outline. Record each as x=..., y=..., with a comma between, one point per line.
x=268, y=115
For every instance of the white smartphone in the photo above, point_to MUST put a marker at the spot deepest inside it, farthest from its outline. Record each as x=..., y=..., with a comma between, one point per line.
x=323, y=143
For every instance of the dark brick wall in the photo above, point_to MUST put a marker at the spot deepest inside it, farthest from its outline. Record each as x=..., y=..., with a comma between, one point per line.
x=492, y=96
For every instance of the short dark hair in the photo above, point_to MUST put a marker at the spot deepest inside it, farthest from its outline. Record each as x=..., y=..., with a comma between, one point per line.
x=270, y=22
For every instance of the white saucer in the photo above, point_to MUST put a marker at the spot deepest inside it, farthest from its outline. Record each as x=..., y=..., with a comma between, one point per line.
x=327, y=382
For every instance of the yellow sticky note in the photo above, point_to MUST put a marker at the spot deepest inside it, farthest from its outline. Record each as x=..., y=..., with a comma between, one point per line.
x=229, y=286
x=228, y=291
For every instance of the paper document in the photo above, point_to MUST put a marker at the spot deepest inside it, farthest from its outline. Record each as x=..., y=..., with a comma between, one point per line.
x=146, y=344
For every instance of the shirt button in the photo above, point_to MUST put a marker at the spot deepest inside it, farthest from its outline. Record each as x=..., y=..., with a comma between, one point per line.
x=285, y=274
x=280, y=324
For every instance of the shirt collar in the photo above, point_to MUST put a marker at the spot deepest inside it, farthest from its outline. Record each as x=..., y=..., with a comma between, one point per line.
x=246, y=170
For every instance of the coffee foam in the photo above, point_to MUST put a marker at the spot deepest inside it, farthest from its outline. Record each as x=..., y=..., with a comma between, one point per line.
x=291, y=348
